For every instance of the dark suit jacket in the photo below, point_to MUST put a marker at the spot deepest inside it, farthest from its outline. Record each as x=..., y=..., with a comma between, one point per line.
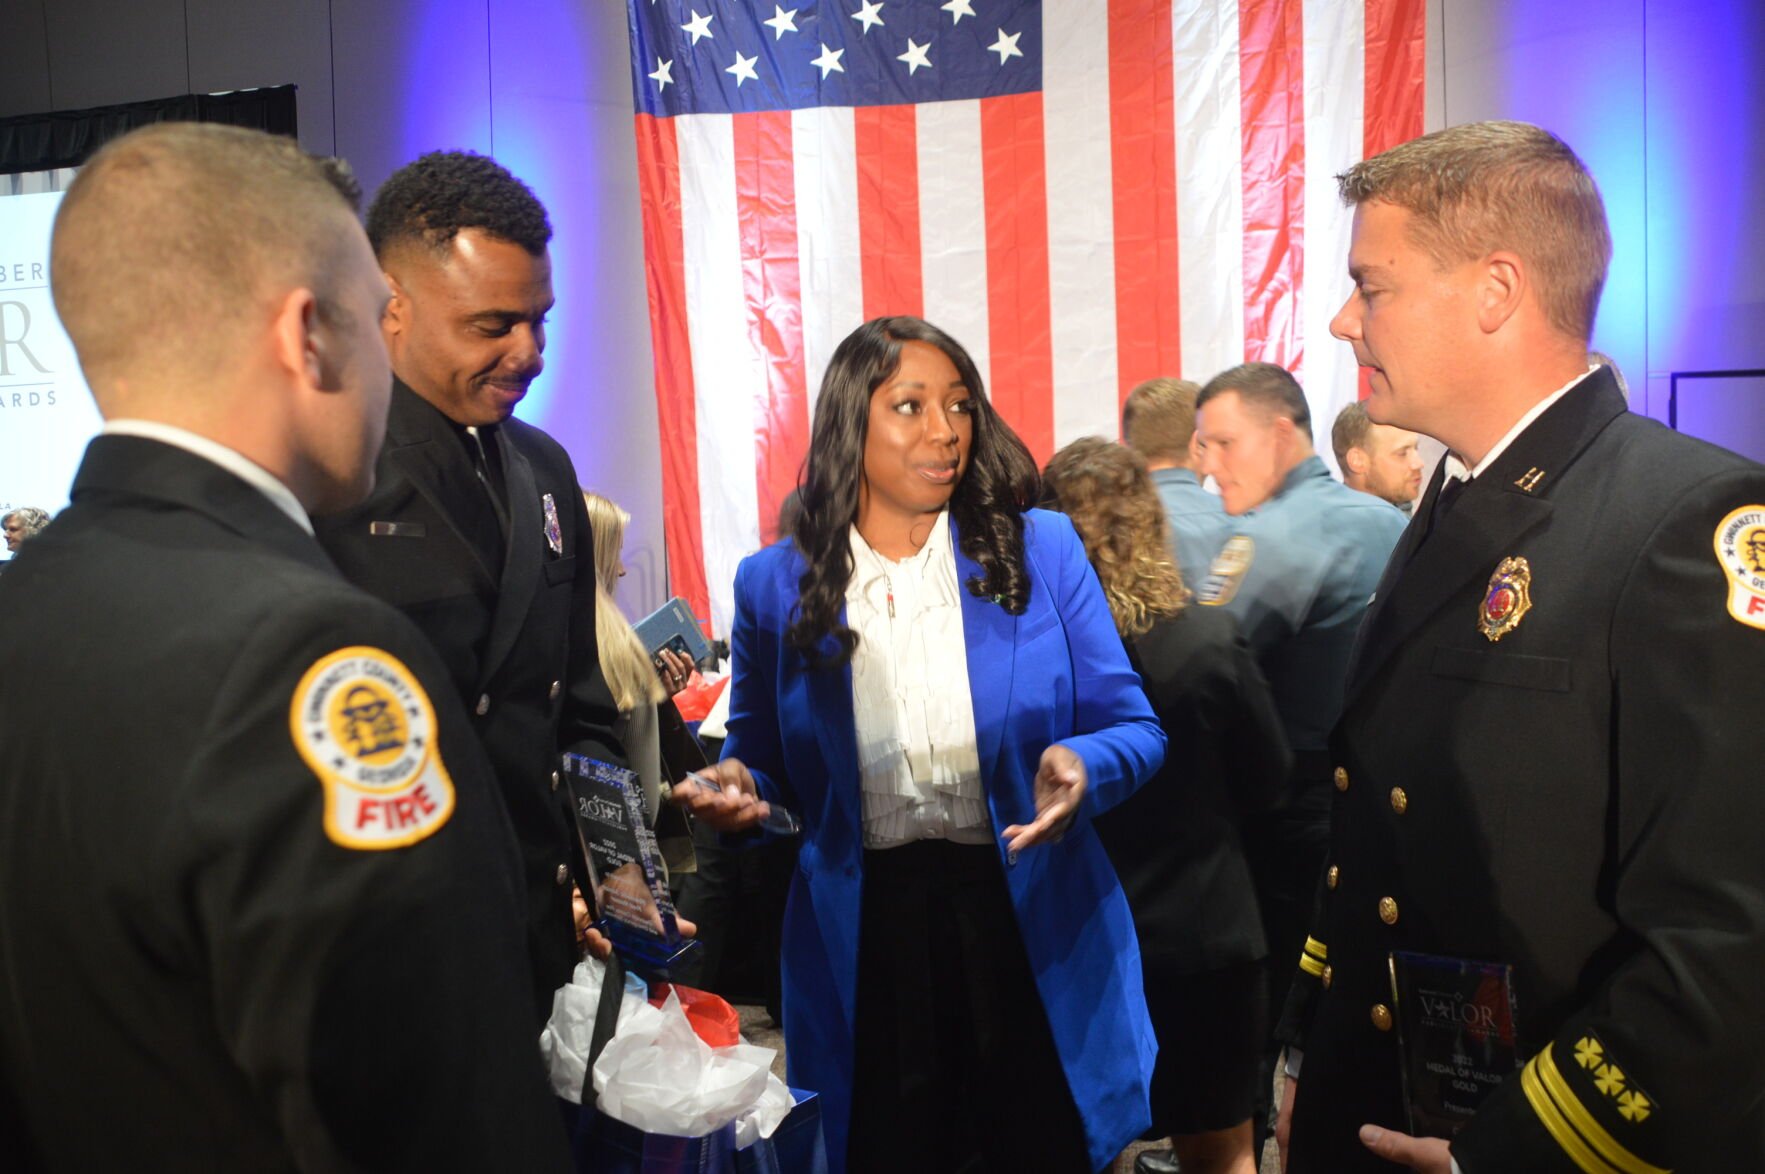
x=1579, y=799
x=520, y=647
x=1175, y=842
x=194, y=973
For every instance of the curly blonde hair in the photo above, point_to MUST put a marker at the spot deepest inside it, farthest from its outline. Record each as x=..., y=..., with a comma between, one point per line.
x=1108, y=494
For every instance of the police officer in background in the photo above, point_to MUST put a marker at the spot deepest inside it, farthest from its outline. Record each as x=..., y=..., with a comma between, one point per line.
x=258, y=895
x=1158, y=423
x=1547, y=755
x=1302, y=561
x=476, y=529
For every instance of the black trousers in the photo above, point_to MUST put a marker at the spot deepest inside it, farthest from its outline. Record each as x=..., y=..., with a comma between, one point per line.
x=955, y=1067
x=1288, y=850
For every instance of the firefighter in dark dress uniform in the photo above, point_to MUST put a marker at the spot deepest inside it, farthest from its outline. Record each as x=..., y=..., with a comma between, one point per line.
x=476, y=529
x=1547, y=750
x=259, y=899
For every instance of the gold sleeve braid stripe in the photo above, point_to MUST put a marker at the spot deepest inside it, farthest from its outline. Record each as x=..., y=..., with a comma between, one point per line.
x=1567, y=1120
x=1312, y=958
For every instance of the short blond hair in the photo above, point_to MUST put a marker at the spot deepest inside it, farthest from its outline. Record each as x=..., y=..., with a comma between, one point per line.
x=173, y=239
x=1473, y=189
x=1158, y=418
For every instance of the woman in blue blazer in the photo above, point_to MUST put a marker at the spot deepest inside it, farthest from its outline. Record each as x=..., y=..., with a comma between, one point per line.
x=927, y=673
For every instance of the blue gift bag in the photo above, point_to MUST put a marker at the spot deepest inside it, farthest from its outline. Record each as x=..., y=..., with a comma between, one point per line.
x=600, y=1144
x=795, y=1147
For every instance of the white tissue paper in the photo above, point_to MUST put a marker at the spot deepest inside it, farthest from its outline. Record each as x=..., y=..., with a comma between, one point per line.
x=564, y=1042
x=656, y=1074
x=768, y=1114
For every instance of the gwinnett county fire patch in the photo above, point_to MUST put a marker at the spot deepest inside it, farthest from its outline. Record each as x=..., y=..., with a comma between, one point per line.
x=366, y=728
x=1740, y=548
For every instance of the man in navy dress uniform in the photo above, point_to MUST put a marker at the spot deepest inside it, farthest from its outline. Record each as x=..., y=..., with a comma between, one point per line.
x=1547, y=750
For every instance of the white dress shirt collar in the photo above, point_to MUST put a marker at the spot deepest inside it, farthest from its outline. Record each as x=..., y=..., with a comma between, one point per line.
x=248, y=471
x=1455, y=468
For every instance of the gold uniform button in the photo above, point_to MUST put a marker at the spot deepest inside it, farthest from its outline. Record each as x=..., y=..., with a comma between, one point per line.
x=554, y=780
x=1400, y=802
x=1381, y=1016
x=563, y=874
x=557, y=688
x=1328, y=974
x=1341, y=778
x=1387, y=910
x=1331, y=877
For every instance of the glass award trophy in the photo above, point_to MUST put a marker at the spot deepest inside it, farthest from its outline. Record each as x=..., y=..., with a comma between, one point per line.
x=1455, y=1036
x=630, y=898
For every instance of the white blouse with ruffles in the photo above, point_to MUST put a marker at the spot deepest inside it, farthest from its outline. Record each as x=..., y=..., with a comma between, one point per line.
x=919, y=769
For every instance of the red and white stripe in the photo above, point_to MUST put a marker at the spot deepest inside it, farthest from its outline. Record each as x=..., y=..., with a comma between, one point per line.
x=1165, y=206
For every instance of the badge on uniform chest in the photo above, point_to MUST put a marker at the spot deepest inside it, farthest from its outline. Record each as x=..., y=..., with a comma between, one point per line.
x=1227, y=571
x=554, y=534
x=1506, y=600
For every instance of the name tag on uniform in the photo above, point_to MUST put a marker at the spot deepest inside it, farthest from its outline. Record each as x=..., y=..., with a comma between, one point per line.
x=397, y=529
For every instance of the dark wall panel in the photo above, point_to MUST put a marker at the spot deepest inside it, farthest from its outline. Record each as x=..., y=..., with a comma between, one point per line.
x=102, y=52
x=240, y=44
x=24, y=58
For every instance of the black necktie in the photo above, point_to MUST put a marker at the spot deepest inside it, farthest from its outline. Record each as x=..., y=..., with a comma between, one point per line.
x=1449, y=493
x=481, y=466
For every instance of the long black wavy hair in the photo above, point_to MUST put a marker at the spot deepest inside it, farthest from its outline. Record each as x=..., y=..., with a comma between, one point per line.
x=987, y=506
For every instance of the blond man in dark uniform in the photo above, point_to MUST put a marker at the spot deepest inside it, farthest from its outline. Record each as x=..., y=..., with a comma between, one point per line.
x=238, y=930
x=1546, y=749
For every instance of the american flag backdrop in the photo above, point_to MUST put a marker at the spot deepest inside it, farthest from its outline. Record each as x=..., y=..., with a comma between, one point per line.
x=1085, y=193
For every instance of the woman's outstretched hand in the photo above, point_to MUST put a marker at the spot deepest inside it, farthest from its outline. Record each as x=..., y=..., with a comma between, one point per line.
x=1060, y=788
x=733, y=805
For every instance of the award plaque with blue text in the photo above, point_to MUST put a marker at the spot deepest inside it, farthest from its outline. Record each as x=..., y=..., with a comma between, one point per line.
x=1455, y=1036
x=631, y=900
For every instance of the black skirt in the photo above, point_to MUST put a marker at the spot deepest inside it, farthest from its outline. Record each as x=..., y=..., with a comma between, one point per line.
x=955, y=1068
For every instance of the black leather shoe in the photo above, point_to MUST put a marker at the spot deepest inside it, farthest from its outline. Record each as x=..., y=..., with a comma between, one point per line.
x=1157, y=1162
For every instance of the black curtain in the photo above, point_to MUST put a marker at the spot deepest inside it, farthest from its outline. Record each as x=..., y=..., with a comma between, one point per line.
x=44, y=142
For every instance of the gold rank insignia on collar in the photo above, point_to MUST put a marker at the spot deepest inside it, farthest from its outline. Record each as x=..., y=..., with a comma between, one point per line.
x=1507, y=599
x=1528, y=481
